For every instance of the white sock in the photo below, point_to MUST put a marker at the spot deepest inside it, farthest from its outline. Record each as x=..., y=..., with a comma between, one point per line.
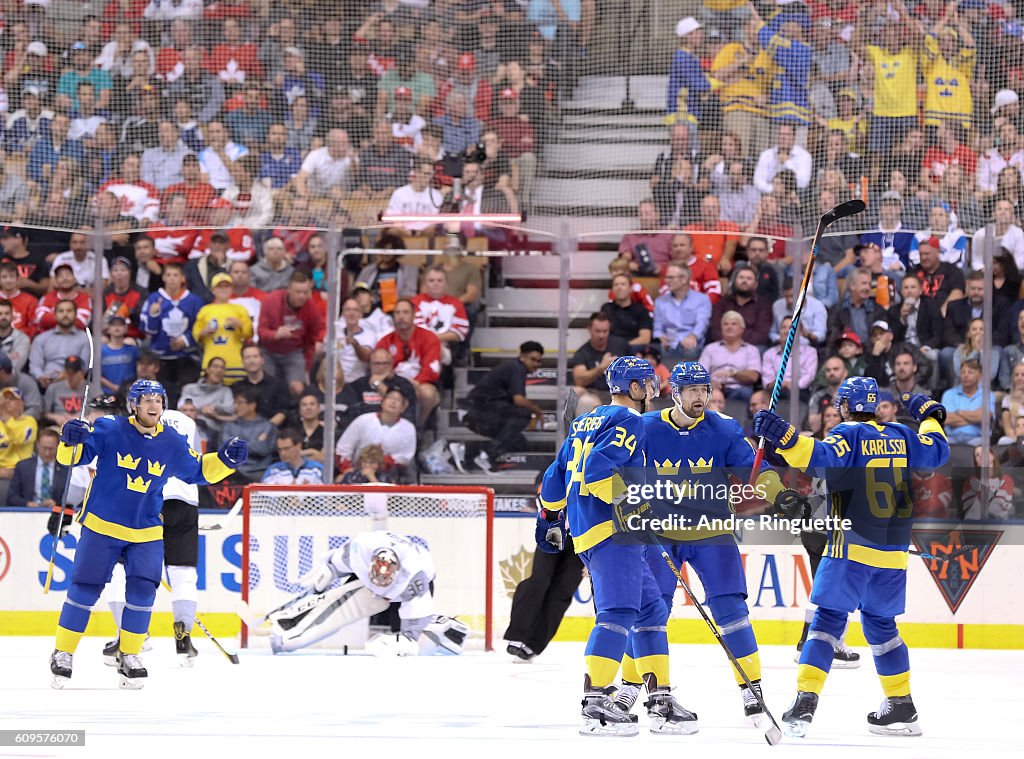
x=184, y=594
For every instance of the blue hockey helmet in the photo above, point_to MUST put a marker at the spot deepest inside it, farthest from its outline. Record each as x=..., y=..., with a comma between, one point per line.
x=627, y=369
x=687, y=373
x=861, y=393
x=143, y=387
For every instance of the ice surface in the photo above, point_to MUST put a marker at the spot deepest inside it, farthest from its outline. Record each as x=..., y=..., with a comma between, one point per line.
x=480, y=706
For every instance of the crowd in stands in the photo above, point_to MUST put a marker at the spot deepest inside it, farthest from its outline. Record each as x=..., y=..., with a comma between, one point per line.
x=209, y=141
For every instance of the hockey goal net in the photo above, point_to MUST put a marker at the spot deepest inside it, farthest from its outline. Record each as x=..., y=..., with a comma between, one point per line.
x=287, y=528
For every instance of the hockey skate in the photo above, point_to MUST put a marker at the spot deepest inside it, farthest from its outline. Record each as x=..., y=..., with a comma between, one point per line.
x=113, y=647
x=627, y=694
x=520, y=652
x=183, y=645
x=668, y=716
x=132, y=674
x=602, y=716
x=797, y=719
x=60, y=669
x=751, y=707
x=844, y=658
x=896, y=716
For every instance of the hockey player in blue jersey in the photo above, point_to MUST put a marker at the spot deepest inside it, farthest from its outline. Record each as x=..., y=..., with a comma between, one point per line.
x=583, y=494
x=865, y=565
x=120, y=518
x=694, y=441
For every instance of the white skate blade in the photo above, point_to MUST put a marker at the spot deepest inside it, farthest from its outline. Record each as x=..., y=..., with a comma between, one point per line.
x=842, y=664
x=614, y=729
x=760, y=721
x=110, y=661
x=661, y=726
x=908, y=729
x=131, y=683
x=57, y=682
x=186, y=661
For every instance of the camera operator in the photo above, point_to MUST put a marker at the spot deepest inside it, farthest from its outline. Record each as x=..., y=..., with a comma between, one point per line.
x=417, y=197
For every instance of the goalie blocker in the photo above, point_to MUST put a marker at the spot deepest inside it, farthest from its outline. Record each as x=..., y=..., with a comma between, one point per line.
x=359, y=580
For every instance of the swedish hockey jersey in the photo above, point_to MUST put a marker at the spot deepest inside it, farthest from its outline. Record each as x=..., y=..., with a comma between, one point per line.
x=712, y=453
x=411, y=583
x=125, y=498
x=867, y=467
x=583, y=478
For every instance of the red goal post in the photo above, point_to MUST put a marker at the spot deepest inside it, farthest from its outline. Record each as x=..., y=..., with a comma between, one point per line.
x=286, y=528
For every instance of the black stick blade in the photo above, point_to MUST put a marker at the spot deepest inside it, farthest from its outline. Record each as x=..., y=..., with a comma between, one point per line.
x=841, y=211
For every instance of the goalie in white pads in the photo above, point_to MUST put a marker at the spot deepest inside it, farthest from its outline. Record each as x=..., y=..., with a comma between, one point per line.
x=360, y=579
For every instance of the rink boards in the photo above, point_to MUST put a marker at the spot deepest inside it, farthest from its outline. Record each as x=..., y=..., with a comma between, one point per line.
x=965, y=601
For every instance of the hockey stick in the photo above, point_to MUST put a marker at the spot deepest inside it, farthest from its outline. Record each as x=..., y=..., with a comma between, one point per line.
x=233, y=658
x=67, y=482
x=773, y=734
x=569, y=411
x=228, y=518
x=841, y=211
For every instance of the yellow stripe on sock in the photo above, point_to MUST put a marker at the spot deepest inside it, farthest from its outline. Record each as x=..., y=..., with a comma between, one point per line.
x=67, y=640
x=751, y=665
x=602, y=670
x=131, y=643
x=896, y=685
x=657, y=665
x=810, y=678
x=630, y=674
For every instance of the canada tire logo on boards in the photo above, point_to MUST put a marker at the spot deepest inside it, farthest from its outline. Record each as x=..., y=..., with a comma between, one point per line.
x=5, y=559
x=961, y=555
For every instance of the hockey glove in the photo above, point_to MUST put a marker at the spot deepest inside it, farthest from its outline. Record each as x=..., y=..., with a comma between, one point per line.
x=60, y=519
x=550, y=532
x=74, y=432
x=775, y=429
x=921, y=407
x=234, y=453
x=792, y=505
x=320, y=578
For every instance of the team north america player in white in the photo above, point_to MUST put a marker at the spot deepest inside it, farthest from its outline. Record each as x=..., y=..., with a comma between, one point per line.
x=360, y=579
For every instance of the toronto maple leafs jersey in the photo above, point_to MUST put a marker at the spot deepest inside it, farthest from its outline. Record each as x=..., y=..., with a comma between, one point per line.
x=586, y=479
x=711, y=452
x=125, y=497
x=867, y=467
x=164, y=318
x=411, y=583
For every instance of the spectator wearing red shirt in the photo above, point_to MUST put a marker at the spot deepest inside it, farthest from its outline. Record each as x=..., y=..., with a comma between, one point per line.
x=291, y=331
x=235, y=62
x=22, y=303
x=441, y=313
x=714, y=239
x=933, y=495
x=65, y=288
x=416, y=353
x=169, y=63
x=519, y=141
x=139, y=200
x=646, y=241
x=947, y=151
x=173, y=241
x=198, y=194
x=119, y=11
x=241, y=246
x=703, y=274
x=768, y=223
x=243, y=292
x=122, y=297
x=637, y=290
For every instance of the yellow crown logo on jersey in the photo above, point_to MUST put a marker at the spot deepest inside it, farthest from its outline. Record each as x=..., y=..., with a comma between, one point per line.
x=155, y=467
x=127, y=462
x=700, y=466
x=138, y=484
x=667, y=466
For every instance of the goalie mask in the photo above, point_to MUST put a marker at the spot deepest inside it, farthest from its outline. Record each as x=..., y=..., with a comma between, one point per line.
x=383, y=567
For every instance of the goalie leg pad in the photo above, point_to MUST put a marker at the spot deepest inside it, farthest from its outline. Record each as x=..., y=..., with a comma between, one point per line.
x=443, y=637
x=311, y=618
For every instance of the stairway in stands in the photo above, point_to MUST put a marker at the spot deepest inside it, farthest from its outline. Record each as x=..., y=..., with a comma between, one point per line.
x=594, y=171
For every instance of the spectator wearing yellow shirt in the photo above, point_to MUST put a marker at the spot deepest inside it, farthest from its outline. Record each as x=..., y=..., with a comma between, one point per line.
x=850, y=121
x=948, y=63
x=222, y=328
x=726, y=16
x=17, y=433
x=895, y=81
x=740, y=69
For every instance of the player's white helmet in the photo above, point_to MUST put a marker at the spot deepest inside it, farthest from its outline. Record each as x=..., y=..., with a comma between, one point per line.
x=383, y=567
